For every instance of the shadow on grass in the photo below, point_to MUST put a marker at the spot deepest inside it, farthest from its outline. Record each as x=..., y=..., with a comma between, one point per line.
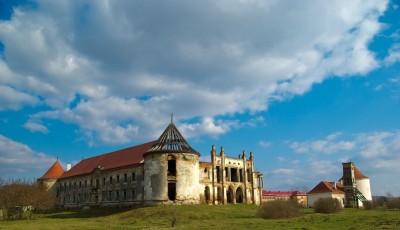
x=89, y=213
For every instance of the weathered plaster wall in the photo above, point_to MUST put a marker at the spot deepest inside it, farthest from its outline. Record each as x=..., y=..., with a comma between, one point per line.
x=188, y=188
x=155, y=178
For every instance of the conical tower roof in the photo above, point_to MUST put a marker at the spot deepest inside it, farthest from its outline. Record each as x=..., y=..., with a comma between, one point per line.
x=171, y=141
x=54, y=172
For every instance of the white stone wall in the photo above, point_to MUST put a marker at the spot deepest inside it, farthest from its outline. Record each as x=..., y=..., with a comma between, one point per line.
x=188, y=187
x=312, y=198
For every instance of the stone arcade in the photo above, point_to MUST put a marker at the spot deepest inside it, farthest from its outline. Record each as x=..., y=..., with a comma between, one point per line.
x=165, y=171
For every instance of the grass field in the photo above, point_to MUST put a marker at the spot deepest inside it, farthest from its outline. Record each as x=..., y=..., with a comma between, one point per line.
x=206, y=217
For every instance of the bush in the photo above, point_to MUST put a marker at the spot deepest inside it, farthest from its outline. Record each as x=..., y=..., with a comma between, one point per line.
x=327, y=205
x=393, y=203
x=369, y=205
x=279, y=209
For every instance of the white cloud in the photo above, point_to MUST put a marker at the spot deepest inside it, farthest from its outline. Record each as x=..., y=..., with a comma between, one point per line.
x=35, y=127
x=201, y=60
x=264, y=144
x=328, y=145
x=13, y=99
x=393, y=55
x=18, y=159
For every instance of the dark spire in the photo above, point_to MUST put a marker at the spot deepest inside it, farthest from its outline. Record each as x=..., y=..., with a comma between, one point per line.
x=171, y=141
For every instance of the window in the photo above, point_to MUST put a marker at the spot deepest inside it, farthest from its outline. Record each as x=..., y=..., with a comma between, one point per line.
x=133, y=176
x=109, y=195
x=117, y=178
x=124, y=194
x=104, y=181
x=117, y=195
x=172, y=191
x=125, y=177
x=171, y=167
x=80, y=184
x=218, y=175
x=133, y=194
x=111, y=180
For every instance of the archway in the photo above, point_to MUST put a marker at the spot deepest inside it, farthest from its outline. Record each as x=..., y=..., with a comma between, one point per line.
x=207, y=194
x=229, y=195
x=239, y=195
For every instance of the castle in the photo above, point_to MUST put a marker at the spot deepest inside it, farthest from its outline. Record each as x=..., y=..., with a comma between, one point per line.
x=165, y=171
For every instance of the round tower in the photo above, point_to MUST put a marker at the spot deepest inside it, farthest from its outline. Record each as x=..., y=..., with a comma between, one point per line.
x=171, y=170
x=363, y=183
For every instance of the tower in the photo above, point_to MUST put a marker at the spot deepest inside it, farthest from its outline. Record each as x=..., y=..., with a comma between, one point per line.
x=356, y=186
x=171, y=170
x=50, y=177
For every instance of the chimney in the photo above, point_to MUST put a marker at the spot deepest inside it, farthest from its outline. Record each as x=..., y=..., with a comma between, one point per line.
x=69, y=166
x=335, y=185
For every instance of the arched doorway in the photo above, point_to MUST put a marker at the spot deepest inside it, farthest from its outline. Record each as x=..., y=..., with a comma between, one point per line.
x=229, y=195
x=239, y=195
x=207, y=194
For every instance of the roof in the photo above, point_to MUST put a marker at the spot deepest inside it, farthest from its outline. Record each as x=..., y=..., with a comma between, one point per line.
x=171, y=141
x=54, y=172
x=358, y=174
x=117, y=159
x=283, y=193
x=326, y=186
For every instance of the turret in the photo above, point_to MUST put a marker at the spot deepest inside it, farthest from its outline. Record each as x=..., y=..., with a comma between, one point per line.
x=171, y=169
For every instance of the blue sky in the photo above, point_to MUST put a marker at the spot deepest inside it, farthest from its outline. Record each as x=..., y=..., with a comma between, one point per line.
x=82, y=78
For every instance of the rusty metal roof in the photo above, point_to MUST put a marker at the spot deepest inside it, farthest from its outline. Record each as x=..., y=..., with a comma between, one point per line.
x=171, y=141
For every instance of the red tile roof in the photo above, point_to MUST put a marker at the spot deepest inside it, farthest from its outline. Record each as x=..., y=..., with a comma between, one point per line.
x=118, y=159
x=358, y=174
x=54, y=172
x=283, y=193
x=326, y=186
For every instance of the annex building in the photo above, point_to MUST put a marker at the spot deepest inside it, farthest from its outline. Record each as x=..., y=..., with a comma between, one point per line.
x=165, y=171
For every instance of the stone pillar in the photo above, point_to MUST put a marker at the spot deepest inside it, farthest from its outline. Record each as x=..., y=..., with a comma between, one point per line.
x=222, y=154
x=213, y=153
x=244, y=172
x=252, y=177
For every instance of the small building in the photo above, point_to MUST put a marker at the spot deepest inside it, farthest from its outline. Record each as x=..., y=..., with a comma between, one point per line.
x=326, y=189
x=50, y=178
x=299, y=197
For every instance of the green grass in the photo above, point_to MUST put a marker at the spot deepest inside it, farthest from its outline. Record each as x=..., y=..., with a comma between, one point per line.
x=206, y=217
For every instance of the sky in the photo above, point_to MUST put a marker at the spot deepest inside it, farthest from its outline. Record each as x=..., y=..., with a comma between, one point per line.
x=304, y=85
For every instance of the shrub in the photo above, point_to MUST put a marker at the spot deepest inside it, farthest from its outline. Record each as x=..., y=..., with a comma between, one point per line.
x=369, y=205
x=279, y=209
x=327, y=205
x=393, y=203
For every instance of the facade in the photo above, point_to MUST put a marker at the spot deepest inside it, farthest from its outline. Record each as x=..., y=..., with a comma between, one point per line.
x=299, y=197
x=165, y=171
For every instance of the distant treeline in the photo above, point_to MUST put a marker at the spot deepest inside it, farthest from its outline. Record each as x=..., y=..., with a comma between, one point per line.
x=23, y=193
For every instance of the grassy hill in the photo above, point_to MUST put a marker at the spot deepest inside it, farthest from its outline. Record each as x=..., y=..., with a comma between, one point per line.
x=205, y=217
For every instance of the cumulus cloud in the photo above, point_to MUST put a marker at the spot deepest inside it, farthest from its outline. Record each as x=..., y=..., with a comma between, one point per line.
x=203, y=60
x=17, y=159
x=328, y=145
x=35, y=127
